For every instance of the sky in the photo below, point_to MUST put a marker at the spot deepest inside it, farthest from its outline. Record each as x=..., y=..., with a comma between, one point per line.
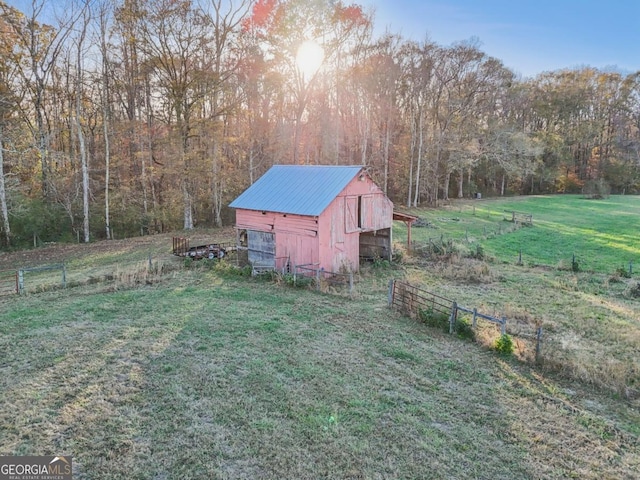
x=529, y=36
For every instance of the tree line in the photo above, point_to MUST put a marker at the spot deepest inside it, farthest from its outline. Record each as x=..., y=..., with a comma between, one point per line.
x=121, y=118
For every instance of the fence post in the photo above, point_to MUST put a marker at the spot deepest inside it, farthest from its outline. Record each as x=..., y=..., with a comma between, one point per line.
x=64, y=276
x=538, y=342
x=452, y=318
x=294, y=273
x=20, y=282
x=520, y=257
x=474, y=320
x=392, y=284
x=631, y=267
x=150, y=262
x=503, y=326
x=350, y=283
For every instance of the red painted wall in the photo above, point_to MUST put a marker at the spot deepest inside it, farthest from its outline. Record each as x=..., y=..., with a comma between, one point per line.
x=338, y=225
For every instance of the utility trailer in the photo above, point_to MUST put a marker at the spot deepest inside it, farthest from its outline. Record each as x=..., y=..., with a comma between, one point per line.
x=211, y=251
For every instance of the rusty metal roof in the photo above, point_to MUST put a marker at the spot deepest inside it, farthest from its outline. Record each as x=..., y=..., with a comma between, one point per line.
x=296, y=189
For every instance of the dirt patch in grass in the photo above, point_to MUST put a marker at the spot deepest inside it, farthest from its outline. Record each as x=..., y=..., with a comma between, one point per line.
x=109, y=249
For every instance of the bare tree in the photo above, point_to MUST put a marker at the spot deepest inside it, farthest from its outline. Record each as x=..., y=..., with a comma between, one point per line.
x=106, y=111
x=41, y=45
x=6, y=228
x=8, y=101
x=79, y=89
x=225, y=19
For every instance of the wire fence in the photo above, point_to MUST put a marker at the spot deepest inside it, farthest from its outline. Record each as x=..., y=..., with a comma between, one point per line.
x=419, y=303
x=324, y=279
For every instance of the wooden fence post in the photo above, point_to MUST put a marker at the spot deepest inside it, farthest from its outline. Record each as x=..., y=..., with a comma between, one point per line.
x=538, y=342
x=452, y=318
x=392, y=283
x=64, y=276
x=350, y=283
x=474, y=320
x=503, y=326
x=20, y=282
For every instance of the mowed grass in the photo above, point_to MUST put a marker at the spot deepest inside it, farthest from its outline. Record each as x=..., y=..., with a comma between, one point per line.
x=209, y=375
x=192, y=372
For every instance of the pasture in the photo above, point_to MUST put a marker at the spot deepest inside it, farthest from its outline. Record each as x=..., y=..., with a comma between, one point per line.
x=602, y=234
x=193, y=370
x=590, y=313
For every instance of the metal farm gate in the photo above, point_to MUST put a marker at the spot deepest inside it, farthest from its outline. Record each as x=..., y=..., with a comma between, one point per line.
x=8, y=282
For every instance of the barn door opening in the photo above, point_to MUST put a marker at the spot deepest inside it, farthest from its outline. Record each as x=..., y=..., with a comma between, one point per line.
x=376, y=245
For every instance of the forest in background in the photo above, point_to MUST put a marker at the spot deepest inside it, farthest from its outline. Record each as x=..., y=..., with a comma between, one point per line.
x=141, y=116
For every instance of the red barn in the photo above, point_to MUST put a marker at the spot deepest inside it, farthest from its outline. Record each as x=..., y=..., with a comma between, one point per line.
x=325, y=216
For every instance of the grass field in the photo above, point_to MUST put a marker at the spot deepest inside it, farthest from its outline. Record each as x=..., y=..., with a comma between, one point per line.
x=197, y=372
x=602, y=234
x=591, y=315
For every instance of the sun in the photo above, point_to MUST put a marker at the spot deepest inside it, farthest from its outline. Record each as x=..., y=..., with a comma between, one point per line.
x=309, y=58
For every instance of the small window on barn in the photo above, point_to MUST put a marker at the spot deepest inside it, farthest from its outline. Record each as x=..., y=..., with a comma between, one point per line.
x=360, y=211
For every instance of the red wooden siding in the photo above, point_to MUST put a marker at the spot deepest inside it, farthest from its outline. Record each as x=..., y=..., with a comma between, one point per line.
x=375, y=212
